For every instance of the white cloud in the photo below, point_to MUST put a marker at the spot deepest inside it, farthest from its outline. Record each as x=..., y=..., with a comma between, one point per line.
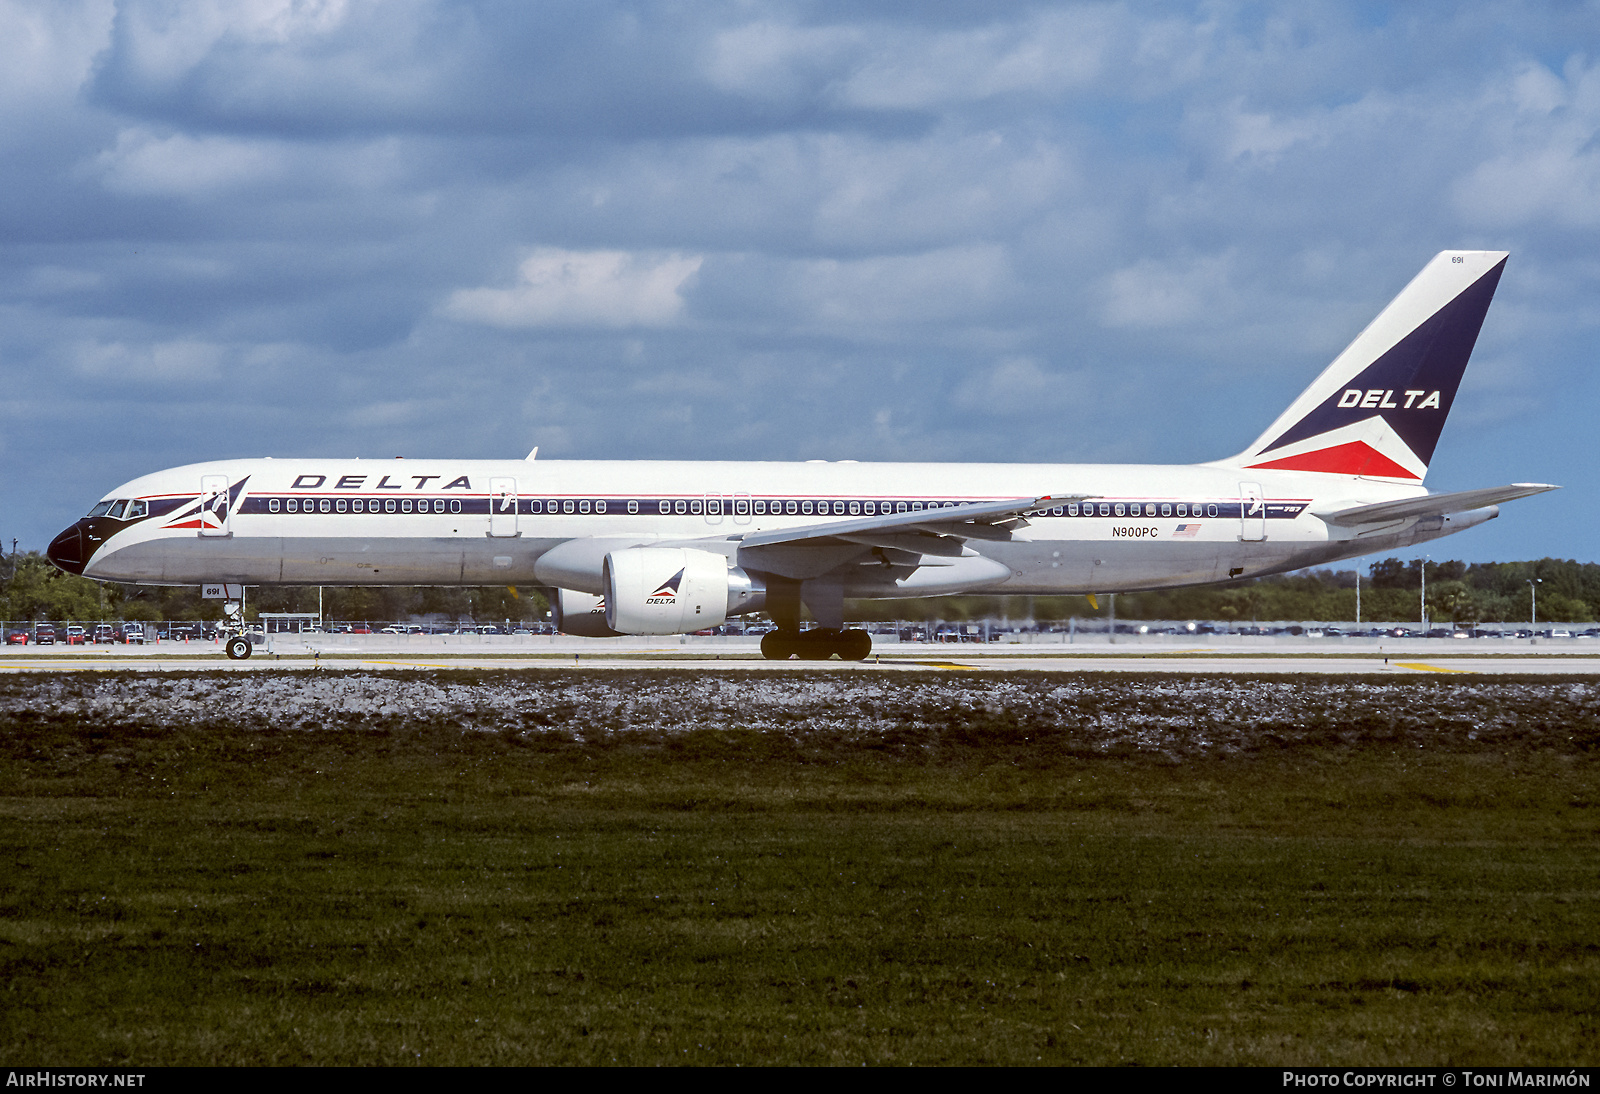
x=583, y=288
x=47, y=48
x=1547, y=167
x=165, y=39
x=144, y=163
x=1042, y=55
x=161, y=362
x=950, y=285
x=1169, y=292
x=1020, y=386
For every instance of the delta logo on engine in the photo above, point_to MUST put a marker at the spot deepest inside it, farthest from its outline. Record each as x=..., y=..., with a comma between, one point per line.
x=668, y=592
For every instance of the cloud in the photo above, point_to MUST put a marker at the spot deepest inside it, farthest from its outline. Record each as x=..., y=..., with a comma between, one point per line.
x=581, y=289
x=1167, y=293
x=160, y=362
x=943, y=287
x=1548, y=165
x=1021, y=387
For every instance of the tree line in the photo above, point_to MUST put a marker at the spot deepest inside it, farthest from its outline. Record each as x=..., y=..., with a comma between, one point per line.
x=1567, y=592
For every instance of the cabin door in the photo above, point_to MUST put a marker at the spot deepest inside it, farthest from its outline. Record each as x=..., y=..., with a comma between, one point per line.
x=1252, y=513
x=215, y=509
x=502, y=507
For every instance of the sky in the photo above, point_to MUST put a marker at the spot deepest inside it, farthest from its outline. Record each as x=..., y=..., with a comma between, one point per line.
x=1072, y=233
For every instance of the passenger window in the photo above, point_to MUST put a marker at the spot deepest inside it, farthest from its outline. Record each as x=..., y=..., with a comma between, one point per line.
x=1105, y=509
x=292, y=505
x=272, y=505
x=341, y=505
x=838, y=508
x=761, y=508
x=664, y=508
x=1211, y=510
x=600, y=507
x=855, y=509
x=901, y=507
x=455, y=505
x=405, y=505
x=388, y=505
x=1166, y=509
x=438, y=505
x=1072, y=510
x=358, y=505
x=535, y=506
x=325, y=505
x=568, y=507
x=633, y=507
x=805, y=507
x=790, y=507
x=697, y=506
x=583, y=506
x=680, y=507
x=1117, y=509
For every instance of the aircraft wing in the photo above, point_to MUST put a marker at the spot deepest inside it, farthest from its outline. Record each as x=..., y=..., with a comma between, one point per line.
x=1434, y=505
x=942, y=533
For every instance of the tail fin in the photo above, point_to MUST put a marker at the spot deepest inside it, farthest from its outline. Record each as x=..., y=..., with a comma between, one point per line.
x=1378, y=409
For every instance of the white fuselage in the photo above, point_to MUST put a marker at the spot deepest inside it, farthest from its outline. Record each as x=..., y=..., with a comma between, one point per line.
x=479, y=522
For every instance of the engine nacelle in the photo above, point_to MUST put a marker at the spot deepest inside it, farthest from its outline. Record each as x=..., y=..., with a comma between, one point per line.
x=674, y=590
x=580, y=614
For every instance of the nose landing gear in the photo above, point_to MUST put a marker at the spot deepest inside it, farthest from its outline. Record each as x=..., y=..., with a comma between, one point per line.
x=239, y=648
x=818, y=644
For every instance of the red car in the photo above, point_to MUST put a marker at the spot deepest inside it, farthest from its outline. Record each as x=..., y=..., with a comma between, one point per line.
x=17, y=638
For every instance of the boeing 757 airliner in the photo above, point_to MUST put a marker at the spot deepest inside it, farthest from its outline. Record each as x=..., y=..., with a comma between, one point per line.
x=656, y=548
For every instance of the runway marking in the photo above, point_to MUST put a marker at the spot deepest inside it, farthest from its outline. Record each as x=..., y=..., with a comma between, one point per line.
x=934, y=665
x=1420, y=667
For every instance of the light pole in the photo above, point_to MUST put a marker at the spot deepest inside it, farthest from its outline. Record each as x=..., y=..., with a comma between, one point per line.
x=1533, y=601
x=1423, y=607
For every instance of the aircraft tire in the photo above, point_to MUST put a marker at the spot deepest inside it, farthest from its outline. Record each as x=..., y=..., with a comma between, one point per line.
x=779, y=645
x=854, y=645
x=239, y=649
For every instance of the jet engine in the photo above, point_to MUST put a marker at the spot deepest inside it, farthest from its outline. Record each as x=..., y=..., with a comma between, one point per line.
x=580, y=614
x=675, y=590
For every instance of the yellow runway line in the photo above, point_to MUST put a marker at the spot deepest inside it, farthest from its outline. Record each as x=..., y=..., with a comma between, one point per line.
x=1420, y=667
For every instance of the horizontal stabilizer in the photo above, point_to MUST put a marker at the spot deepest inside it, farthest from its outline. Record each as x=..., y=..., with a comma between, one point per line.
x=1434, y=505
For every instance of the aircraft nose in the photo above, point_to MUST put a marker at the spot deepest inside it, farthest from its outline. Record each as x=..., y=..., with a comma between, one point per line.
x=66, y=550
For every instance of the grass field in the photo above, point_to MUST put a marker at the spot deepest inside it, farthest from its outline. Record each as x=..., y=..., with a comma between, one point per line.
x=653, y=868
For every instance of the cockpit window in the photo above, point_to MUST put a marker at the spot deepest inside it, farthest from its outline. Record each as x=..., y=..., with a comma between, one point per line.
x=117, y=507
x=136, y=508
x=100, y=510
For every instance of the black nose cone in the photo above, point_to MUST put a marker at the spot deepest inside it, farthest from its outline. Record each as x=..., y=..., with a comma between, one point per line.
x=66, y=550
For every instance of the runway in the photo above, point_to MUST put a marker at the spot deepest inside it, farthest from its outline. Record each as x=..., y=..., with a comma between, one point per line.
x=1234, y=655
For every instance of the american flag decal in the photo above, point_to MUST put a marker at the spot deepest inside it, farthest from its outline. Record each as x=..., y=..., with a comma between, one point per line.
x=1186, y=531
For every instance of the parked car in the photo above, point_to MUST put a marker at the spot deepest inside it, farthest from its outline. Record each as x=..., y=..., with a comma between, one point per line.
x=104, y=633
x=75, y=636
x=17, y=638
x=44, y=635
x=133, y=634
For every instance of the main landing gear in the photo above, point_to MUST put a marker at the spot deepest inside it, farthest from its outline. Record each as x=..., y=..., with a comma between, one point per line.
x=817, y=644
x=239, y=648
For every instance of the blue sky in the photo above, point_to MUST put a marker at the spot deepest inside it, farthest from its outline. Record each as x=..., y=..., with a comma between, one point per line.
x=745, y=230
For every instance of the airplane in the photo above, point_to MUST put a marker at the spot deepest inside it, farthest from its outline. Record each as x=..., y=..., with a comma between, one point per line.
x=660, y=547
